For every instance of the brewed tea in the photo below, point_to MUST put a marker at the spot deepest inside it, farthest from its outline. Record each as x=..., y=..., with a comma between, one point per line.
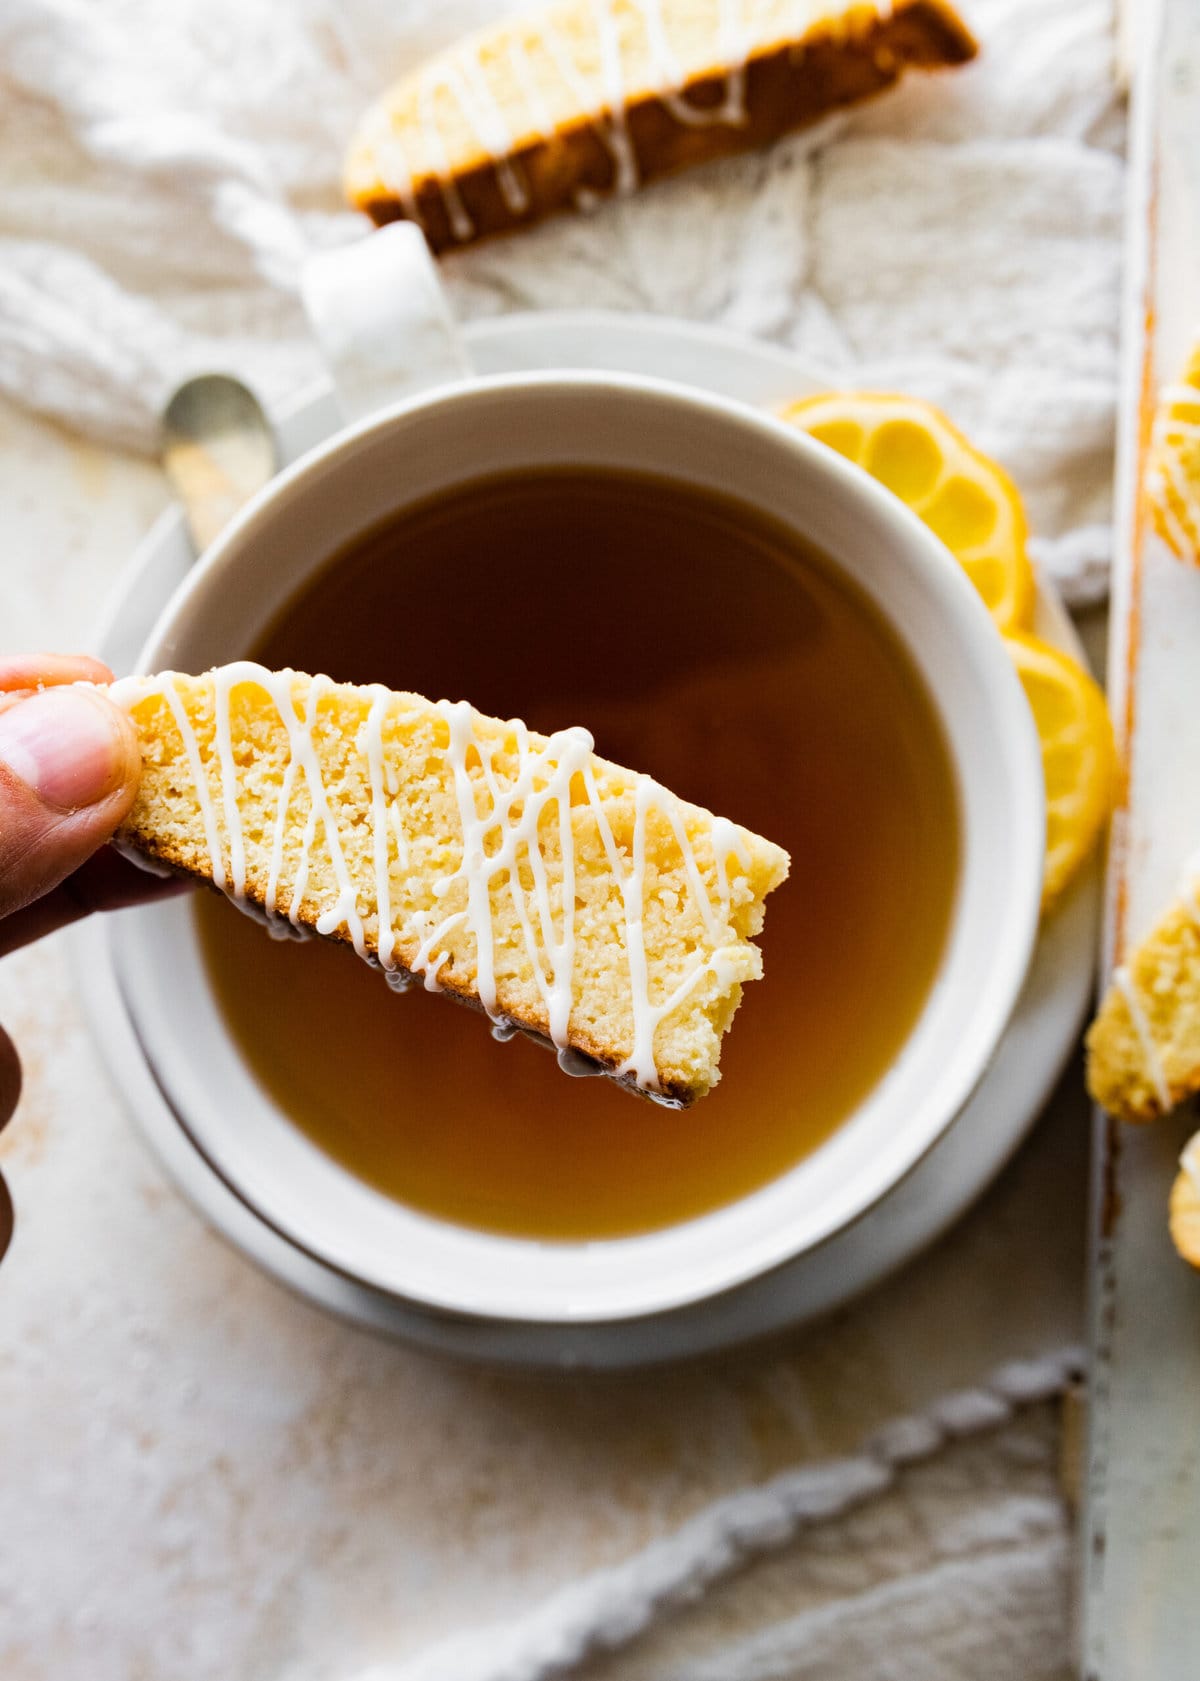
x=701, y=642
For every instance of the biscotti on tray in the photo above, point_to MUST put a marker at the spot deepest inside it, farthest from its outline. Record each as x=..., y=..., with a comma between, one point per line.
x=589, y=98
x=1144, y=1045
x=568, y=898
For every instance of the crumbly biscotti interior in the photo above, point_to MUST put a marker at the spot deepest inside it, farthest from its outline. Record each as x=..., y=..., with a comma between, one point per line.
x=1144, y=1045
x=570, y=898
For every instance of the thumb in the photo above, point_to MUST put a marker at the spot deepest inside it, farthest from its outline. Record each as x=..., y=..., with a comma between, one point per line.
x=69, y=767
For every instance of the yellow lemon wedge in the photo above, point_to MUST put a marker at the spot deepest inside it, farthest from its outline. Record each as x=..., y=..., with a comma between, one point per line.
x=962, y=495
x=1078, y=758
x=1173, y=464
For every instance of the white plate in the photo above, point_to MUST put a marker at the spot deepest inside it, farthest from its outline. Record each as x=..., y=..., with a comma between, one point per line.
x=1033, y=1053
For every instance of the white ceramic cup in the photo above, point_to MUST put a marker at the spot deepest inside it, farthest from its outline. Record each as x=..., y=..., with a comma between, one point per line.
x=425, y=445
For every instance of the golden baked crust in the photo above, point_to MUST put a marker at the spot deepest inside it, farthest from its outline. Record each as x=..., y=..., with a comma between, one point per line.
x=589, y=98
x=1144, y=1045
x=572, y=899
x=1184, y=1210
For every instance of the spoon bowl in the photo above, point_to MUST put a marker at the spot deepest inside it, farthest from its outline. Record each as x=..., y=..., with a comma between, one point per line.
x=217, y=450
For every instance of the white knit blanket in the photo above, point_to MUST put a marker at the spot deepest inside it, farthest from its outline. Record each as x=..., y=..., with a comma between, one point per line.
x=166, y=167
x=163, y=170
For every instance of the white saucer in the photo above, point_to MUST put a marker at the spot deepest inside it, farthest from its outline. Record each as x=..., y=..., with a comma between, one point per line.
x=1035, y=1049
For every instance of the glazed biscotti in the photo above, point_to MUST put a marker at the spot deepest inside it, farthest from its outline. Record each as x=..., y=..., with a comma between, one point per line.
x=568, y=898
x=1184, y=1215
x=1144, y=1045
x=589, y=98
x=1143, y=1048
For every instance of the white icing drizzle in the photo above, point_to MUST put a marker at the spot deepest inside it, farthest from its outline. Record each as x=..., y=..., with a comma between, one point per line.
x=497, y=842
x=488, y=120
x=385, y=938
x=732, y=50
x=1123, y=981
x=620, y=139
x=1189, y=1161
x=523, y=75
x=391, y=160
x=430, y=80
x=150, y=866
x=464, y=78
x=578, y=1066
x=734, y=39
x=613, y=129
x=1177, y=536
x=1181, y=396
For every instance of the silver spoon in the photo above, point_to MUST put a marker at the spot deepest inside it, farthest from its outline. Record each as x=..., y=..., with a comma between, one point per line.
x=217, y=450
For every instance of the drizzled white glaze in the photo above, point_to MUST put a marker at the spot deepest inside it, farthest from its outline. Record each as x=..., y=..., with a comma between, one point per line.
x=732, y=51
x=495, y=843
x=461, y=75
x=612, y=128
x=391, y=160
x=461, y=225
x=541, y=121
x=1189, y=1161
x=464, y=78
x=1123, y=981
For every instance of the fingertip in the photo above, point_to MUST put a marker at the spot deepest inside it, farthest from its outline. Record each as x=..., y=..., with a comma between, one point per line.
x=73, y=747
x=49, y=671
x=87, y=667
x=69, y=772
x=104, y=815
x=128, y=753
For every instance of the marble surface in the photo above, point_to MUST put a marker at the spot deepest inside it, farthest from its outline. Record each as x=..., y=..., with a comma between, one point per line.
x=200, y=1474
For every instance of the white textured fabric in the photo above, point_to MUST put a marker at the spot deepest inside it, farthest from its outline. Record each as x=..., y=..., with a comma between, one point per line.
x=942, y=1611
x=165, y=168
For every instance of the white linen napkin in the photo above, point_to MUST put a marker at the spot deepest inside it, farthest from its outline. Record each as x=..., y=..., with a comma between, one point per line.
x=166, y=167
x=945, y=1617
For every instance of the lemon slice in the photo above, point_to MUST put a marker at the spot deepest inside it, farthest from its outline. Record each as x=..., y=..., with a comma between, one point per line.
x=1078, y=760
x=1173, y=464
x=965, y=498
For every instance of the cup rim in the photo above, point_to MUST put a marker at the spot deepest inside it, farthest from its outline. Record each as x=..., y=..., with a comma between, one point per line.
x=956, y=598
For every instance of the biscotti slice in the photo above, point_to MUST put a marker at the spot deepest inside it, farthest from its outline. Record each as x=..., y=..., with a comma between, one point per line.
x=568, y=898
x=1144, y=1045
x=589, y=98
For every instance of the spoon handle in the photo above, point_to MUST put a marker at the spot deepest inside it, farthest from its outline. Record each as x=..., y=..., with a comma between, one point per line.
x=218, y=450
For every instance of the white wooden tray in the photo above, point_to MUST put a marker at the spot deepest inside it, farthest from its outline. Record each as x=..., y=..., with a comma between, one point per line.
x=1142, y=1530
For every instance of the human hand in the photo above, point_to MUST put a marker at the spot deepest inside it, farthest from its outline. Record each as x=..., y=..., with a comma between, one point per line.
x=69, y=768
